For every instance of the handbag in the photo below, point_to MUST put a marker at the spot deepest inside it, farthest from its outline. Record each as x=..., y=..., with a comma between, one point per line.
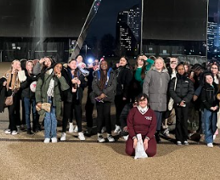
x=139, y=150
x=171, y=101
x=9, y=100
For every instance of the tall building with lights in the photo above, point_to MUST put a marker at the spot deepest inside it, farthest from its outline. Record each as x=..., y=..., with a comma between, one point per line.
x=128, y=30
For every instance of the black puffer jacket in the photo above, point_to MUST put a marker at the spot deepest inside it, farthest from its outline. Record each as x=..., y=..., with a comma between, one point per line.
x=184, y=89
x=124, y=78
x=209, y=96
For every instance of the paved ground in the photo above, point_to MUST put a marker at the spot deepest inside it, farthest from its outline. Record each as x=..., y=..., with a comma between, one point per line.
x=27, y=157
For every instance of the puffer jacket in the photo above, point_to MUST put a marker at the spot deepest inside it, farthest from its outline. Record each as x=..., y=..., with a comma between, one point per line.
x=184, y=89
x=209, y=96
x=155, y=87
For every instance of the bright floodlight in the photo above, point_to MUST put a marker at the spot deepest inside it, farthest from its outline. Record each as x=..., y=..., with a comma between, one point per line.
x=90, y=60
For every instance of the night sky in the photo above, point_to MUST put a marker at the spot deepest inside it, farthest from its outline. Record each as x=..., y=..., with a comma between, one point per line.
x=105, y=20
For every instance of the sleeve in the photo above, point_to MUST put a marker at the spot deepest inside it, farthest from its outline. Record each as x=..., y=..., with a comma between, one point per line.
x=63, y=84
x=84, y=81
x=146, y=84
x=130, y=123
x=95, y=87
x=38, y=90
x=153, y=126
x=22, y=76
x=128, y=79
x=204, y=101
x=190, y=93
x=173, y=94
x=37, y=69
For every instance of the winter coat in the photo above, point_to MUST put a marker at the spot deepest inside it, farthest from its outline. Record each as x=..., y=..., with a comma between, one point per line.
x=124, y=78
x=42, y=87
x=69, y=96
x=209, y=96
x=155, y=86
x=184, y=89
x=109, y=90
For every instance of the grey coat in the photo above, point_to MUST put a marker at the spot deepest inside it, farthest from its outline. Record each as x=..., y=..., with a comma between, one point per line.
x=156, y=86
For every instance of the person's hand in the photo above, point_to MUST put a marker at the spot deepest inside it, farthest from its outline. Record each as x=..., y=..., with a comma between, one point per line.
x=135, y=142
x=74, y=80
x=38, y=106
x=182, y=103
x=4, y=83
x=73, y=90
x=78, y=82
x=42, y=60
x=125, y=129
x=58, y=75
x=102, y=96
x=146, y=144
x=144, y=57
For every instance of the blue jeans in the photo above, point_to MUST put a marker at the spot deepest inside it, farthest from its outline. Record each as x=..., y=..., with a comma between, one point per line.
x=210, y=120
x=27, y=109
x=159, y=119
x=50, y=122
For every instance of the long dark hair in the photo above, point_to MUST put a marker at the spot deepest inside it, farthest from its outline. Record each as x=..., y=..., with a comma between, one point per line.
x=143, y=69
x=103, y=76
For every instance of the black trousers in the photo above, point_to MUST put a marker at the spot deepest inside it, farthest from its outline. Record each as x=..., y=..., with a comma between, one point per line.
x=13, y=116
x=119, y=105
x=68, y=114
x=103, y=116
x=89, y=111
x=181, y=123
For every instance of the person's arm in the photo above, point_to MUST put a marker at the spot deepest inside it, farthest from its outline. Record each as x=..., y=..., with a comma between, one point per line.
x=38, y=91
x=204, y=100
x=152, y=128
x=172, y=92
x=63, y=84
x=124, y=115
x=127, y=83
x=146, y=84
x=95, y=87
x=190, y=93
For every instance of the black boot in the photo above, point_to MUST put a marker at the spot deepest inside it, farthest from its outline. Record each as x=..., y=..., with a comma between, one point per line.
x=29, y=132
x=157, y=136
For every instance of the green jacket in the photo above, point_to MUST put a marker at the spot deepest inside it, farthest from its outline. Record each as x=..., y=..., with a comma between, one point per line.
x=41, y=91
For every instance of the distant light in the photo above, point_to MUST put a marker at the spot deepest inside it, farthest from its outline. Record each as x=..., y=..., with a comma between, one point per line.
x=90, y=60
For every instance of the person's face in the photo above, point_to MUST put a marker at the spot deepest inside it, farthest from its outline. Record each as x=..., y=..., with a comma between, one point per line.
x=209, y=79
x=140, y=62
x=104, y=65
x=181, y=70
x=73, y=65
x=159, y=64
x=16, y=65
x=58, y=68
x=173, y=64
x=122, y=62
x=143, y=103
x=29, y=66
x=79, y=59
x=214, y=69
x=186, y=68
x=47, y=62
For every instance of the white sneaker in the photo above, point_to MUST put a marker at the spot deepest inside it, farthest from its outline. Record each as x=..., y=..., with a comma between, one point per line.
x=81, y=136
x=7, y=131
x=125, y=137
x=14, y=132
x=100, y=139
x=63, y=137
x=71, y=127
x=186, y=143
x=46, y=140
x=110, y=138
x=54, y=140
x=117, y=129
x=18, y=129
x=179, y=143
x=75, y=129
x=210, y=145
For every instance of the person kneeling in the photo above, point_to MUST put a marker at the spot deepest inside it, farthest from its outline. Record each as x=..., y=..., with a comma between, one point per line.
x=141, y=120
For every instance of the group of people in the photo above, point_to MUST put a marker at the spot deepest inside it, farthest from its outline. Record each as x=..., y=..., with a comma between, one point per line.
x=144, y=97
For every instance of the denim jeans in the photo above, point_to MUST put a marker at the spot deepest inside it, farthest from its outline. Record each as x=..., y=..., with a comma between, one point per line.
x=210, y=120
x=50, y=122
x=27, y=105
x=159, y=119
